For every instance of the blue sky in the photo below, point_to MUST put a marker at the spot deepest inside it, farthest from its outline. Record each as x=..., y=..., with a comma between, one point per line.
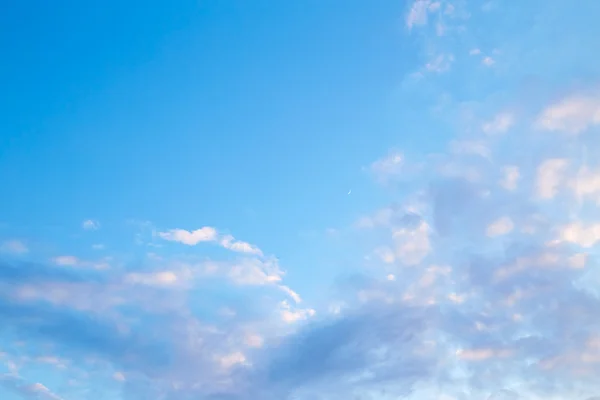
x=310, y=200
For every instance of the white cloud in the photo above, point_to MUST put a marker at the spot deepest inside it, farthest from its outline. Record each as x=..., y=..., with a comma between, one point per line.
x=488, y=61
x=42, y=391
x=291, y=316
x=295, y=296
x=499, y=124
x=550, y=175
x=474, y=52
x=13, y=247
x=388, y=167
x=209, y=234
x=412, y=245
x=230, y=243
x=205, y=234
x=587, y=184
x=385, y=254
x=582, y=235
x=229, y=360
x=161, y=278
x=441, y=63
x=255, y=272
x=500, y=227
x=119, y=376
x=90, y=225
x=417, y=15
x=254, y=340
x=482, y=354
x=66, y=261
x=572, y=115
x=511, y=177
x=470, y=147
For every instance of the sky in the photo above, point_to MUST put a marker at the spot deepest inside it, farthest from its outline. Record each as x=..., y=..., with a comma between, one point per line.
x=236, y=200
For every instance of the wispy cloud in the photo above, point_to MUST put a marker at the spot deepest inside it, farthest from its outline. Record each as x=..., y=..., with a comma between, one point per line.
x=90, y=225
x=209, y=234
x=13, y=247
x=572, y=114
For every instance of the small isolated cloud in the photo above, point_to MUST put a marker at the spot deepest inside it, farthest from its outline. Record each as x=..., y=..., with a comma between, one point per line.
x=90, y=225
x=488, y=61
x=474, y=52
x=550, y=175
x=500, y=227
x=573, y=114
x=13, y=247
x=471, y=147
x=510, y=178
x=191, y=238
x=499, y=124
x=66, y=261
x=440, y=63
x=119, y=376
x=388, y=167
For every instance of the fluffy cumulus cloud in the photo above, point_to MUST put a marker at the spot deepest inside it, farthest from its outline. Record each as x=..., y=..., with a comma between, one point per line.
x=479, y=281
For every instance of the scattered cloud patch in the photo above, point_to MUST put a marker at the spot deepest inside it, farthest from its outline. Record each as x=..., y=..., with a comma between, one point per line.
x=510, y=179
x=90, y=225
x=500, y=227
x=66, y=261
x=419, y=11
x=388, y=167
x=573, y=114
x=550, y=175
x=14, y=247
x=440, y=63
x=488, y=61
x=209, y=234
x=499, y=124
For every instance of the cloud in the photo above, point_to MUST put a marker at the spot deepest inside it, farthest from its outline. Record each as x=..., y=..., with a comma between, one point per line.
x=484, y=283
x=90, y=225
x=488, y=61
x=499, y=124
x=511, y=177
x=205, y=234
x=412, y=244
x=66, y=261
x=13, y=247
x=209, y=234
x=440, y=63
x=582, y=235
x=500, y=227
x=418, y=13
x=27, y=390
x=550, y=175
x=388, y=167
x=573, y=114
